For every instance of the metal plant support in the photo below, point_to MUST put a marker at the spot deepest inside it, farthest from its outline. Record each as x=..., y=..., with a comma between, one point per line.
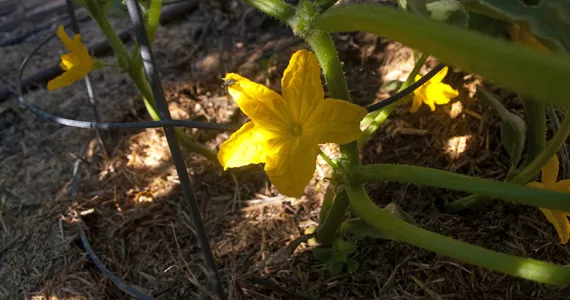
x=168, y=125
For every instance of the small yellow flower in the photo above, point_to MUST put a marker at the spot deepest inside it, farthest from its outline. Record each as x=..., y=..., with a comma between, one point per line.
x=285, y=131
x=523, y=37
x=558, y=218
x=76, y=64
x=433, y=92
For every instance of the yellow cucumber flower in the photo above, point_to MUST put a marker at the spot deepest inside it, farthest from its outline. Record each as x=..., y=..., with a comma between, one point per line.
x=558, y=218
x=285, y=131
x=75, y=64
x=433, y=92
x=523, y=37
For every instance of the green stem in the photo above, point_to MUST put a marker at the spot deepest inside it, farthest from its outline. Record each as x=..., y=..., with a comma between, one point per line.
x=526, y=175
x=543, y=157
x=323, y=46
x=328, y=160
x=328, y=229
x=327, y=202
x=377, y=118
x=275, y=8
x=121, y=53
x=447, y=180
x=536, y=131
x=137, y=75
x=528, y=72
x=516, y=266
x=153, y=19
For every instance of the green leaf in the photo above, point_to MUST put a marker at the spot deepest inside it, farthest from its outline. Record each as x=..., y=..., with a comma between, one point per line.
x=343, y=246
x=391, y=86
x=528, y=72
x=335, y=267
x=359, y=229
x=487, y=25
x=327, y=202
x=448, y=11
x=396, y=211
x=513, y=135
x=547, y=20
x=513, y=127
x=352, y=265
x=322, y=254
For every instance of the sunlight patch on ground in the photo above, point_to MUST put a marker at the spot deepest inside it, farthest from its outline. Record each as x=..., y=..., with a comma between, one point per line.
x=456, y=109
x=149, y=149
x=457, y=145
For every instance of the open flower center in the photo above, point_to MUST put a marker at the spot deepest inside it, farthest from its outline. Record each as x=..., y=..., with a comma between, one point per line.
x=297, y=130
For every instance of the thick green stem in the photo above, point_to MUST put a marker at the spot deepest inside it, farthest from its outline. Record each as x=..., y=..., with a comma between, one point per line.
x=516, y=266
x=526, y=175
x=324, y=49
x=528, y=72
x=375, y=119
x=536, y=130
x=447, y=180
x=328, y=229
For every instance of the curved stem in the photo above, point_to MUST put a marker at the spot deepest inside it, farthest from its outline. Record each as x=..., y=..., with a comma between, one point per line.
x=447, y=180
x=528, y=72
x=516, y=266
x=526, y=174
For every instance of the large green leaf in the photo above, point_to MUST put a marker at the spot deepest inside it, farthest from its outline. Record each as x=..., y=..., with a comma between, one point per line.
x=538, y=75
x=548, y=20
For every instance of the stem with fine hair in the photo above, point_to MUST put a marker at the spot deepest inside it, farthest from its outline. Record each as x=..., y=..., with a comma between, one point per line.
x=526, y=174
x=399, y=230
x=323, y=47
x=452, y=181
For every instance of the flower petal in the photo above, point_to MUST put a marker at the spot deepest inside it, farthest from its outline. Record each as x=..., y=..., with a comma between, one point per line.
x=65, y=79
x=335, y=121
x=302, y=86
x=244, y=147
x=68, y=61
x=291, y=167
x=560, y=222
x=550, y=171
x=429, y=101
x=264, y=106
x=535, y=185
x=439, y=76
x=416, y=103
x=65, y=39
x=562, y=186
x=446, y=93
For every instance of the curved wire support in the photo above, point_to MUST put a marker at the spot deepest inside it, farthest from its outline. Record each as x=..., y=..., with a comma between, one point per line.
x=156, y=86
x=403, y=93
x=125, y=287
x=96, y=125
